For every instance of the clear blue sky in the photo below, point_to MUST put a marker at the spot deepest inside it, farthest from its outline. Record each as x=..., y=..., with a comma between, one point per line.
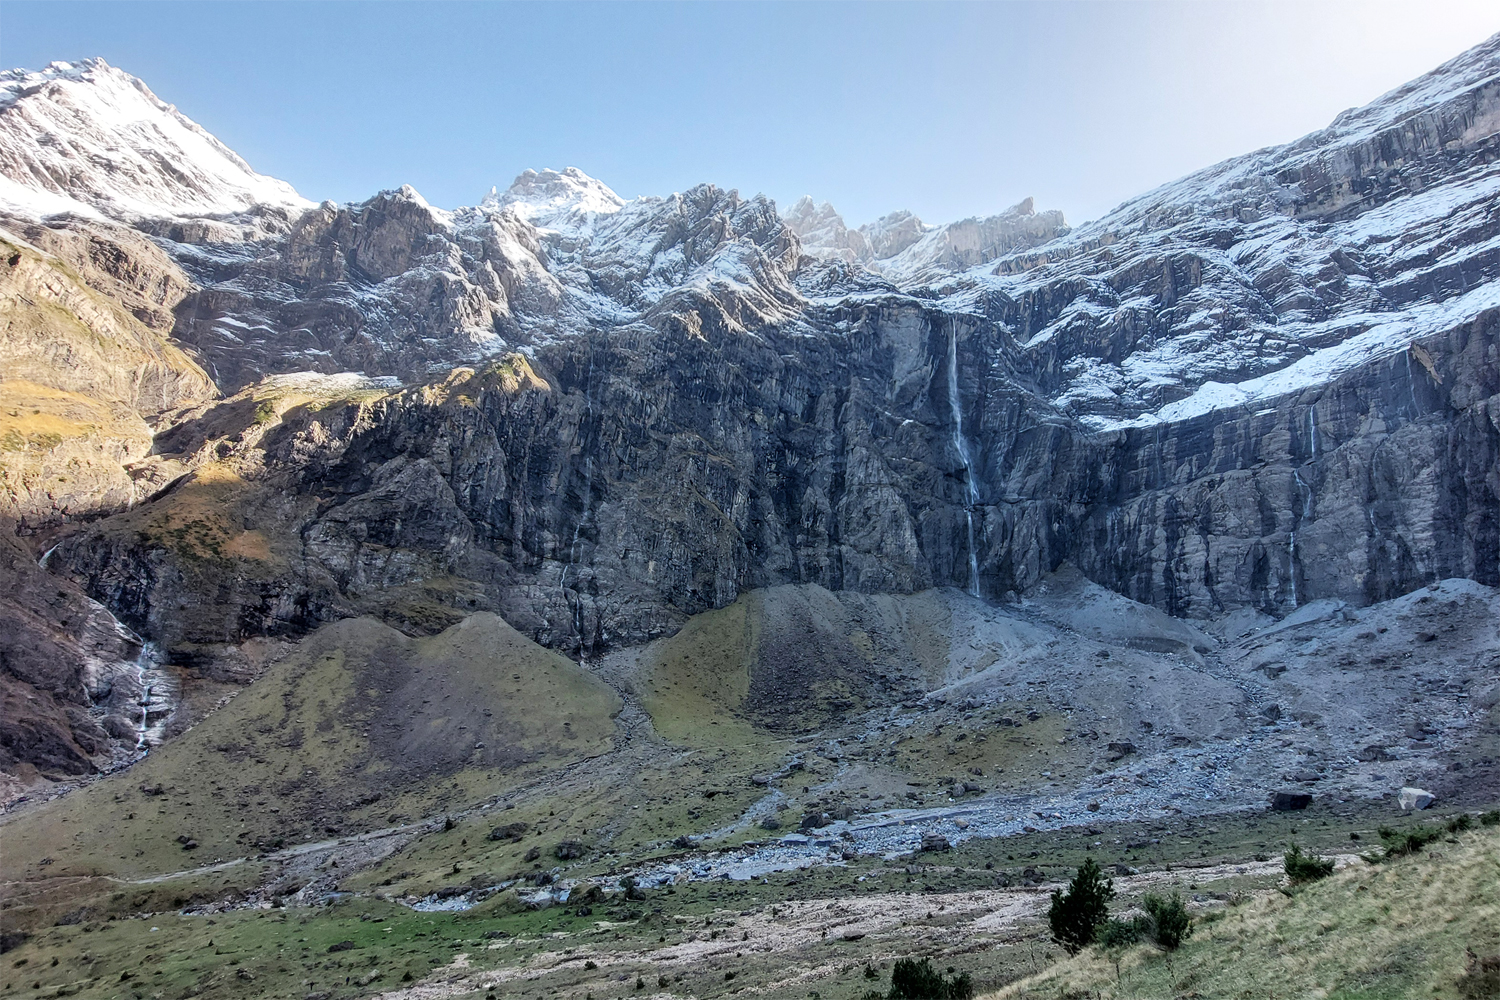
x=948, y=110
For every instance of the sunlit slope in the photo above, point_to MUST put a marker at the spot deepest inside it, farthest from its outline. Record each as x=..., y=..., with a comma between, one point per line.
x=360, y=728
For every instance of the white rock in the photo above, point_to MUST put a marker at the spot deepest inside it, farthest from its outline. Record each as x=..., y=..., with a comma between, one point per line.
x=1415, y=798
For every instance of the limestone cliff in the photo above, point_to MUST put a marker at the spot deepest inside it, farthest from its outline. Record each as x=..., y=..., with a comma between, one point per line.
x=1267, y=383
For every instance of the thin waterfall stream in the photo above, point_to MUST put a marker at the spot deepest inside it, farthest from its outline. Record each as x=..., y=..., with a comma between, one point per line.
x=588, y=490
x=971, y=492
x=1294, y=557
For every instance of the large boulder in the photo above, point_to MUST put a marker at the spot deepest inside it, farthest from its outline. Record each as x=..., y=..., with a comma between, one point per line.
x=1414, y=798
x=1284, y=801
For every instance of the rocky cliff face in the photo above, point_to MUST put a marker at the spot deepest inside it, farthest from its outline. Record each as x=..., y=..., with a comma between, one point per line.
x=88, y=367
x=1264, y=384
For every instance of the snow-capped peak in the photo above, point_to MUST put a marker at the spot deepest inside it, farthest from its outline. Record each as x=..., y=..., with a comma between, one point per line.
x=823, y=232
x=89, y=139
x=549, y=199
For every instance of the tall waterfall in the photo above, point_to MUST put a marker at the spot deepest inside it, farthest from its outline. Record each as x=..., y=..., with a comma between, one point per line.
x=971, y=492
x=1294, y=558
x=588, y=490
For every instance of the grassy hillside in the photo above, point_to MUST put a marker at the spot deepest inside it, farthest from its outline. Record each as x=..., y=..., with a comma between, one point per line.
x=1392, y=931
x=361, y=728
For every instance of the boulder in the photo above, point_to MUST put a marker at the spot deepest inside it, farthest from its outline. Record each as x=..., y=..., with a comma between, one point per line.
x=1290, y=801
x=1414, y=798
x=119, y=727
x=935, y=842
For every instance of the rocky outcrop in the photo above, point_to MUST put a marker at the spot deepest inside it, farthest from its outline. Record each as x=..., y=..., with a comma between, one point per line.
x=603, y=494
x=823, y=232
x=60, y=655
x=86, y=367
x=901, y=246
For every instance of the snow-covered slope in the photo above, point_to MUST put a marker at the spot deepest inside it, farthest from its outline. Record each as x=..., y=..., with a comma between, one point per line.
x=1267, y=273
x=564, y=201
x=88, y=139
x=1249, y=279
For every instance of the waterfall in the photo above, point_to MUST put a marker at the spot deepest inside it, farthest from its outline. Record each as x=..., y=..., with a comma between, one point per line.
x=588, y=490
x=1291, y=563
x=1293, y=560
x=1312, y=429
x=158, y=697
x=42, y=562
x=971, y=492
x=1411, y=387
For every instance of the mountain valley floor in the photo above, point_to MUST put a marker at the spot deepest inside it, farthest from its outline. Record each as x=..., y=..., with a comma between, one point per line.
x=790, y=791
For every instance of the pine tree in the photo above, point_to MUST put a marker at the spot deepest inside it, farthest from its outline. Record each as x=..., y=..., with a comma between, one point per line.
x=1076, y=915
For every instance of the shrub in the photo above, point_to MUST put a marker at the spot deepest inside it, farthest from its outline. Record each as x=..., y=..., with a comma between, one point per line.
x=1481, y=978
x=1115, y=933
x=1491, y=818
x=914, y=980
x=1075, y=916
x=1460, y=823
x=1301, y=868
x=1170, y=920
x=1400, y=843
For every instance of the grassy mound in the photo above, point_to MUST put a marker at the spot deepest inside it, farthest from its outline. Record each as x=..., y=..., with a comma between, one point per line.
x=361, y=728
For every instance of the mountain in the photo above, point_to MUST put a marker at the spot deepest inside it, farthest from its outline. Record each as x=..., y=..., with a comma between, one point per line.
x=1257, y=386
x=88, y=139
x=904, y=248
x=468, y=569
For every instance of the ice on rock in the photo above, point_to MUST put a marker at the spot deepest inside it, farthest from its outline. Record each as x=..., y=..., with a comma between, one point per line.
x=553, y=199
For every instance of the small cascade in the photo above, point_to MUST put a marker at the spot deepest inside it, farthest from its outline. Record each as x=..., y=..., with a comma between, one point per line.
x=42, y=562
x=971, y=492
x=158, y=697
x=1304, y=491
x=588, y=490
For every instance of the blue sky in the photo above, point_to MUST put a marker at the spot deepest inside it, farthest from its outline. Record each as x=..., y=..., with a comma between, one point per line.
x=947, y=110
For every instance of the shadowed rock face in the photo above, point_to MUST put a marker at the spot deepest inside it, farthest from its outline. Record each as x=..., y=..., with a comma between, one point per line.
x=629, y=481
x=59, y=656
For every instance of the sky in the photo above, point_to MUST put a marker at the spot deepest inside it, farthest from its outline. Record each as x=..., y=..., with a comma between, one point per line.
x=947, y=110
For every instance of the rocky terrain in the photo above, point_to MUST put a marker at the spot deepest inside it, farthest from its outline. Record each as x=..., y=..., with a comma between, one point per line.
x=471, y=561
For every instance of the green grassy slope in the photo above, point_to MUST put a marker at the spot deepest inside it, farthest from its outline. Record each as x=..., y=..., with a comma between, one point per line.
x=1391, y=931
x=361, y=728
